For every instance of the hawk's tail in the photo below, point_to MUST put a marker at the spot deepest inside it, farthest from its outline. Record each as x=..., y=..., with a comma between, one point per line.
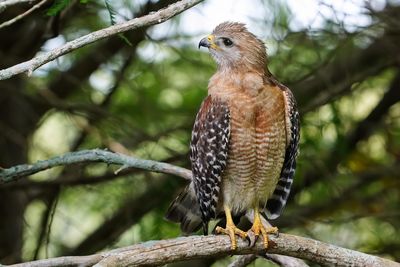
x=186, y=211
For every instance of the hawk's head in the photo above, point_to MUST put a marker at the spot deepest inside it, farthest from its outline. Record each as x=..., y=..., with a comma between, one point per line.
x=232, y=46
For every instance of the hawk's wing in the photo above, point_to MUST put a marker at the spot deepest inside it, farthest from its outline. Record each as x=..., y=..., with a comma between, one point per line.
x=277, y=201
x=209, y=154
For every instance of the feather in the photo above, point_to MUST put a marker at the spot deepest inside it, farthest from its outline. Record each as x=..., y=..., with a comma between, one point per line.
x=277, y=201
x=209, y=154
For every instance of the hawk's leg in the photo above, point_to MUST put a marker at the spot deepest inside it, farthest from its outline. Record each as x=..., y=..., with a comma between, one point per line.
x=230, y=229
x=258, y=228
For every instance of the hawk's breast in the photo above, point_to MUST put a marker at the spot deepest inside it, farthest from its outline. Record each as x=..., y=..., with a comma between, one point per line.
x=256, y=150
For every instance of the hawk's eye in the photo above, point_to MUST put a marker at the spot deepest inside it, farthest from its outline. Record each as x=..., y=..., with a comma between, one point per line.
x=227, y=41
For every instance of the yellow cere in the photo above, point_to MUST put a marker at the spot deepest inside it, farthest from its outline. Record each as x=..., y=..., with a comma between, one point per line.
x=211, y=40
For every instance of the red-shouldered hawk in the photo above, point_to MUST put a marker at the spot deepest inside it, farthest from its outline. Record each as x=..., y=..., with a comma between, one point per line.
x=244, y=140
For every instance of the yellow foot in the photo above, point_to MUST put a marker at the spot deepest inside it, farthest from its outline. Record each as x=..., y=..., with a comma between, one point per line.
x=258, y=228
x=231, y=230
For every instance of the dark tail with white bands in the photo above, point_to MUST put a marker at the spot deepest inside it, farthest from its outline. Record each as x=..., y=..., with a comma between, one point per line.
x=185, y=210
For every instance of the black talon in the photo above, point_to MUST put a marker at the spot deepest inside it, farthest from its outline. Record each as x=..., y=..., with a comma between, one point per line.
x=253, y=239
x=248, y=241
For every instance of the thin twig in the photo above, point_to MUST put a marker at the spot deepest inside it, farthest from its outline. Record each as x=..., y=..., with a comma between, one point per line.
x=285, y=261
x=71, y=180
x=243, y=260
x=280, y=260
x=7, y=3
x=147, y=20
x=95, y=155
x=44, y=222
x=194, y=247
x=21, y=16
x=53, y=208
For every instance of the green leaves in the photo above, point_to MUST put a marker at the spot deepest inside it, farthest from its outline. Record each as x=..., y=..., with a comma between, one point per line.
x=112, y=13
x=60, y=5
x=57, y=7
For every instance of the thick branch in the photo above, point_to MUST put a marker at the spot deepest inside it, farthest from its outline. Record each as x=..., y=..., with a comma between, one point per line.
x=184, y=248
x=150, y=19
x=95, y=155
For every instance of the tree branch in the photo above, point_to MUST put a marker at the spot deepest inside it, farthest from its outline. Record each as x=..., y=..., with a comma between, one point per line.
x=7, y=3
x=165, y=251
x=285, y=261
x=184, y=248
x=243, y=260
x=95, y=155
x=349, y=66
x=341, y=200
x=150, y=19
x=361, y=131
x=130, y=213
x=23, y=15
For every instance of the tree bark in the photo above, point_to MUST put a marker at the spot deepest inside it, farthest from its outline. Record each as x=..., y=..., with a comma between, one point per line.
x=153, y=253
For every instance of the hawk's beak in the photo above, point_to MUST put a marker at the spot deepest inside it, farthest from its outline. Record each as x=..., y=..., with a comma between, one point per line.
x=204, y=42
x=208, y=42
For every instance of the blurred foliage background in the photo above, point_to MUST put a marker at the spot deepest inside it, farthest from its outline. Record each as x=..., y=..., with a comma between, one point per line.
x=138, y=94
